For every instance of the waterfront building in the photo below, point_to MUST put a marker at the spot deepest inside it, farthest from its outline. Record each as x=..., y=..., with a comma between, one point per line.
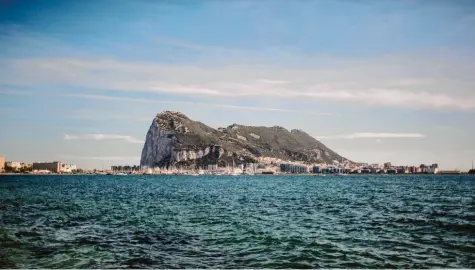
x=2, y=164
x=293, y=168
x=331, y=170
x=316, y=169
x=338, y=170
x=254, y=167
x=401, y=170
x=68, y=168
x=387, y=165
x=365, y=171
x=212, y=167
x=391, y=171
x=54, y=166
x=430, y=170
x=411, y=169
x=126, y=168
x=13, y=166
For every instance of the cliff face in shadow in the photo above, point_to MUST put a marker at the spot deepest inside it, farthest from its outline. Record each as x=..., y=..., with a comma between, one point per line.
x=175, y=139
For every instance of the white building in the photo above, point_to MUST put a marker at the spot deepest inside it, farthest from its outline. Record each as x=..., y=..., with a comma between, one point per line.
x=68, y=168
x=13, y=165
x=430, y=170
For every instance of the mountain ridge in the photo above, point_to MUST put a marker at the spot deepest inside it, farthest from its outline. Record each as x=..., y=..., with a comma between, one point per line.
x=175, y=139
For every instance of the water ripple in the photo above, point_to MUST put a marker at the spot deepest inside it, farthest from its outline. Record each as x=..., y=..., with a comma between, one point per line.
x=237, y=222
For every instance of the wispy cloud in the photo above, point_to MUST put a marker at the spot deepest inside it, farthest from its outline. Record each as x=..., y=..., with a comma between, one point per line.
x=143, y=100
x=266, y=81
x=100, y=137
x=269, y=109
x=369, y=135
x=383, y=82
x=108, y=117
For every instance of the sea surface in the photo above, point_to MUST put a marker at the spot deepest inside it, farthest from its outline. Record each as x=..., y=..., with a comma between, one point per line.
x=237, y=221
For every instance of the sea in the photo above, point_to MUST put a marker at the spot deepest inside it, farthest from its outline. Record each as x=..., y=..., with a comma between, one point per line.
x=262, y=221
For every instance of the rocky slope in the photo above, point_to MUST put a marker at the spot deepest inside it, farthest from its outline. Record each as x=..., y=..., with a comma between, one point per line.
x=174, y=139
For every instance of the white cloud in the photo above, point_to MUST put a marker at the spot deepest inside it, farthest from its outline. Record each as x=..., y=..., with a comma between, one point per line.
x=100, y=116
x=99, y=137
x=428, y=83
x=143, y=100
x=266, y=81
x=368, y=135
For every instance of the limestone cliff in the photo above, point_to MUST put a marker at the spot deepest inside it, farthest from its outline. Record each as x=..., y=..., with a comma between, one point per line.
x=174, y=139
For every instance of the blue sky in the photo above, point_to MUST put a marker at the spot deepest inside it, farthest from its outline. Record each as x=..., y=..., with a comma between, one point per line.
x=374, y=80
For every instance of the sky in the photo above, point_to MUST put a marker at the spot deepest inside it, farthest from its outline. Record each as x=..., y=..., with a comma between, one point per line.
x=376, y=81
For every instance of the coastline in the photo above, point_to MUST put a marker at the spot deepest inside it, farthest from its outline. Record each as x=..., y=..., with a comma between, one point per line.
x=275, y=174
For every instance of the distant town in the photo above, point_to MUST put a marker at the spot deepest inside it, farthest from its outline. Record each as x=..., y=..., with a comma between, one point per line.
x=266, y=166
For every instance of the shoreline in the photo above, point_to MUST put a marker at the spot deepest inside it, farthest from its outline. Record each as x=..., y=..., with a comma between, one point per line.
x=275, y=174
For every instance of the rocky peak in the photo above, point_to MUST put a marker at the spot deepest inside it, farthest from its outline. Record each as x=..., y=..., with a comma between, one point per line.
x=299, y=132
x=280, y=128
x=165, y=114
x=172, y=121
x=173, y=138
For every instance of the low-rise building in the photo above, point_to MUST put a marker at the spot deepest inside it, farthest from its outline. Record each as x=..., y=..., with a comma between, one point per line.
x=430, y=170
x=391, y=171
x=293, y=168
x=366, y=170
x=13, y=166
x=125, y=168
x=2, y=164
x=411, y=169
x=212, y=167
x=401, y=170
x=68, y=168
x=54, y=166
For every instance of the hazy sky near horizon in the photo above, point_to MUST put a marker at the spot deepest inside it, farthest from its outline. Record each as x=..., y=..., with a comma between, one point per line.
x=376, y=81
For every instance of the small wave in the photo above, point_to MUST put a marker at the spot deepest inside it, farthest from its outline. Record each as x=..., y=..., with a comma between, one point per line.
x=138, y=262
x=26, y=234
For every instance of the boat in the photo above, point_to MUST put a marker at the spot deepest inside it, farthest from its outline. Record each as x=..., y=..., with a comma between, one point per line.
x=120, y=173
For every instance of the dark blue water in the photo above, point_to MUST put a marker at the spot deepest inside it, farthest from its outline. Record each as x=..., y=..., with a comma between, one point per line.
x=237, y=222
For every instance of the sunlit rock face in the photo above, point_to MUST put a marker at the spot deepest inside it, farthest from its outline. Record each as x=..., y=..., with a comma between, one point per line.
x=174, y=139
